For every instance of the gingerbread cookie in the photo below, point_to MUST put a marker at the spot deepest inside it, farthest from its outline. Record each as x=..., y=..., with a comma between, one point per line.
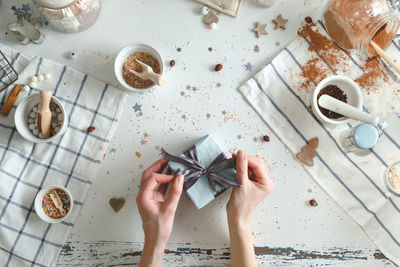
x=308, y=152
x=117, y=203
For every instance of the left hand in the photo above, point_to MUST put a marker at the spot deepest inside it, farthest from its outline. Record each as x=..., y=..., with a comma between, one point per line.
x=158, y=212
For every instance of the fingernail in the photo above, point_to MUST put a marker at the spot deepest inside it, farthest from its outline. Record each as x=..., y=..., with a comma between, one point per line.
x=180, y=178
x=240, y=154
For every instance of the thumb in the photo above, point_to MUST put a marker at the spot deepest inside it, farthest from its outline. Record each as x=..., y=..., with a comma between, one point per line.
x=241, y=167
x=175, y=193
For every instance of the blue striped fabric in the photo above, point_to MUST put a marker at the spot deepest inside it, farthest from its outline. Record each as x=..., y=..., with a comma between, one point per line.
x=69, y=161
x=355, y=182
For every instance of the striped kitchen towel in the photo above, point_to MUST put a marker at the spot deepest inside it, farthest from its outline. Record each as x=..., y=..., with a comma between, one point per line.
x=70, y=161
x=355, y=182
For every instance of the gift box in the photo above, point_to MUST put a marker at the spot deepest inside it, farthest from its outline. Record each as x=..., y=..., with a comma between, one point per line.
x=208, y=172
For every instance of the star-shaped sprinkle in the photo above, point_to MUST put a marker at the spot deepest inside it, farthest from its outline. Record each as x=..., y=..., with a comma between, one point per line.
x=25, y=7
x=182, y=93
x=137, y=107
x=224, y=112
x=210, y=49
x=179, y=49
x=208, y=115
x=277, y=43
x=141, y=166
x=248, y=67
x=260, y=29
x=140, y=114
x=184, y=116
x=256, y=49
x=280, y=22
x=195, y=89
x=218, y=84
x=13, y=7
x=188, y=87
x=239, y=136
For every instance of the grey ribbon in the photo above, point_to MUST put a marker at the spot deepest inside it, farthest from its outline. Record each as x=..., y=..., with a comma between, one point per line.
x=195, y=169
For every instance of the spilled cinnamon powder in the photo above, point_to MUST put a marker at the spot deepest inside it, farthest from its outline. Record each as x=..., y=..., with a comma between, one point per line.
x=373, y=75
x=323, y=46
x=337, y=59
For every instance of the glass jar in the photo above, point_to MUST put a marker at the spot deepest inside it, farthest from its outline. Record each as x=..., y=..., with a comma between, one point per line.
x=354, y=24
x=70, y=15
x=361, y=138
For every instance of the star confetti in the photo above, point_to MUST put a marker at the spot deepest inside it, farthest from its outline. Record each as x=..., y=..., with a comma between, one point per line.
x=210, y=49
x=208, y=115
x=182, y=93
x=277, y=43
x=218, y=85
x=239, y=136
x=224, y=112
x=248, y=67
x=137, y=107
x=256, y=49
x=280, y=22
x=188, y=87
x=195, y=89
x=260, y=29
x=184, y=116
x=179, y=49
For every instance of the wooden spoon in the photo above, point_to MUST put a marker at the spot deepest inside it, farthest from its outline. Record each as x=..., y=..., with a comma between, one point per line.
x=43, y=120
x=148, y=73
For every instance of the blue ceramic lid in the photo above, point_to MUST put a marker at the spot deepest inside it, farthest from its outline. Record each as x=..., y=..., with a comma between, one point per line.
x=366, y=136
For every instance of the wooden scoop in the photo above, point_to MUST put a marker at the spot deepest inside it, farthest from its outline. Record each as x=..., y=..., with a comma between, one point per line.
x=43, y=120
x=148, y=73
x=57, y=202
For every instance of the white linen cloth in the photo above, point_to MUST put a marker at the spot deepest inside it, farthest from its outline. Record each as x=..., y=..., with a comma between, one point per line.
x=356, y=183
x=70, y=161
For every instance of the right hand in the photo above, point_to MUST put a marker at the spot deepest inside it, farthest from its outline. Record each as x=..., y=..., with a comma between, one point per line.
x=256, y=184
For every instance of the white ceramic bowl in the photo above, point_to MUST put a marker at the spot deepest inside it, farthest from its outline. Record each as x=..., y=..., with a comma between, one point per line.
x=39, y=199
x=349, y=87
x=125, y=53
x=22, y=114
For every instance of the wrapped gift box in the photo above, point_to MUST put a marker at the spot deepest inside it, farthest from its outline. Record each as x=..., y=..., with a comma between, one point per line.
x=201, y=192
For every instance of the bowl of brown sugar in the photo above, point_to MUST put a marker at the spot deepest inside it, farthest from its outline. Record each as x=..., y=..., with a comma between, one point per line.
x=342, y=88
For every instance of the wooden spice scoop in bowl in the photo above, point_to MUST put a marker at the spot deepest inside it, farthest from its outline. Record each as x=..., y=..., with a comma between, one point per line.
x=148, y=73
x=43, y=119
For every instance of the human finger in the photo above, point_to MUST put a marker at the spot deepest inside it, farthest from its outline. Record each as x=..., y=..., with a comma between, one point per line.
x=257, y=164
x=163, y=188
x=175, y=193
x=241, y=167
x=157, y=166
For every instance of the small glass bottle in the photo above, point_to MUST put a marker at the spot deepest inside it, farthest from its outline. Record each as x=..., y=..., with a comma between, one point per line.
x=361, y=138
x=354, y=24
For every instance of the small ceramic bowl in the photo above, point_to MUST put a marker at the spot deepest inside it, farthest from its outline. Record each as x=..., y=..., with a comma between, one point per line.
x=22, y=114
x=39, y=199
x=125, y=53
x=387, y=181
x=349, y=87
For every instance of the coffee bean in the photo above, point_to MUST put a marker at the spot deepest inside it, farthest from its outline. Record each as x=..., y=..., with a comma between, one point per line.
x=172, y=63
x=309, y=20
x=313, y=202
x=218, y=67
x=266, y=138
x=91, y=129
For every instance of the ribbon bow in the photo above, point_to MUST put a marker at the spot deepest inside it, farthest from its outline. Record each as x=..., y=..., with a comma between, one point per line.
x=196, y=169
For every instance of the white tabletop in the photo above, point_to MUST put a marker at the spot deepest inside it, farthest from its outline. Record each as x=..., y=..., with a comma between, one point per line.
x=174, y=117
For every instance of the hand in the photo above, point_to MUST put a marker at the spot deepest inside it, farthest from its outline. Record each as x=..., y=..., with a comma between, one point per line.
x=256, y=185
x=157, y=212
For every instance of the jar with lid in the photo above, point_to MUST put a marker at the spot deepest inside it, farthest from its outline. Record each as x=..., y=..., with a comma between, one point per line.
x=354, y=24
x=69, y=15
x=361, y=138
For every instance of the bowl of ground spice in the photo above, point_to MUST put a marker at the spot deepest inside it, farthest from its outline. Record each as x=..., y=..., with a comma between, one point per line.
x=341, y=88
x=127, y=59
x=53, y=204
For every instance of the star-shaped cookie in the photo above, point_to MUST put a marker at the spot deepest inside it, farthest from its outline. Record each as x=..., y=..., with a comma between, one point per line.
x=280, y=22
x=260, y=29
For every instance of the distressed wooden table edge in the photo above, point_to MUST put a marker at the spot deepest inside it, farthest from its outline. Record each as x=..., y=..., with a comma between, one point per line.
x=118, y=253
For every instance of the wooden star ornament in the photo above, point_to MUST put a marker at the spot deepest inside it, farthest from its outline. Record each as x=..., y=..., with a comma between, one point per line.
x=280, y=22
x=260, y=29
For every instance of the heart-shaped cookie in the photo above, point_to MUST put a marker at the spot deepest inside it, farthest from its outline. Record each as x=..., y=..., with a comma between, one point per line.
x=117, y=203
x=308, y=153
x=210, y=18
